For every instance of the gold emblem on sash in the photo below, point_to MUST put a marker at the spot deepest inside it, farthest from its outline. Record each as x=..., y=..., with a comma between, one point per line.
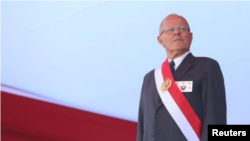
x=166, y=84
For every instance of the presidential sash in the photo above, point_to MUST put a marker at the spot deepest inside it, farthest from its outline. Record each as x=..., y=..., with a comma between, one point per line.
x=177, y=104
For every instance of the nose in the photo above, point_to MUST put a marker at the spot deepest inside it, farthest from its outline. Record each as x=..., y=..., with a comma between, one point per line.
x=176, y=31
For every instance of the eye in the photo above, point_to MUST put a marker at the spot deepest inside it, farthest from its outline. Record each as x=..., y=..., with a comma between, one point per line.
x=170, y=30
x=182, y=28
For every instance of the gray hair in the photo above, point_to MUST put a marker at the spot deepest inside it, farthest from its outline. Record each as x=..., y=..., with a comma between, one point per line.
x=174, y=14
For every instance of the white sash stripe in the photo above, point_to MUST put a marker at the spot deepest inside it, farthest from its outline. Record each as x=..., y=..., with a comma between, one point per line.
x=174, y=109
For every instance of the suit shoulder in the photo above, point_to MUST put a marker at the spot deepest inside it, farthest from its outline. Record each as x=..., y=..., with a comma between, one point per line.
x=209, y=64
x=150, y=73
x=206, y=60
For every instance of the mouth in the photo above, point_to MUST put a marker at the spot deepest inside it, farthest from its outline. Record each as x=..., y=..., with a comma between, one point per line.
x=177, y=40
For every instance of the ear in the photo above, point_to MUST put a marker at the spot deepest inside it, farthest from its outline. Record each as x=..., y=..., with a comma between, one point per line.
x=160, y=40
x=191, y=37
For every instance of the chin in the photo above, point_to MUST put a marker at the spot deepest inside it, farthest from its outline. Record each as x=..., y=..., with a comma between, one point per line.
x=179, y=48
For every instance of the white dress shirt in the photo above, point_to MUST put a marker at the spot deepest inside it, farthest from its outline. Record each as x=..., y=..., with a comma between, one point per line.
x=178, y=60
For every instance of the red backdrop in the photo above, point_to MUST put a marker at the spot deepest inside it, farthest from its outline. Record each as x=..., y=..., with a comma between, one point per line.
x=26, y=119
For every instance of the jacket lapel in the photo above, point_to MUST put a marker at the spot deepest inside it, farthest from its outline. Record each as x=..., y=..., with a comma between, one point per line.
x=185, y=65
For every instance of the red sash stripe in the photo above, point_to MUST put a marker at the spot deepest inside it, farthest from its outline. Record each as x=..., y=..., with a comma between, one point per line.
x=181, y=101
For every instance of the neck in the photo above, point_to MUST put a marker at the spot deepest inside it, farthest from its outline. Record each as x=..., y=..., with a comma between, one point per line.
x=174, y=54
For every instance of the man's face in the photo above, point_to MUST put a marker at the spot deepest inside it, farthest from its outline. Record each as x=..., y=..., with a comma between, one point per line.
x=177, y=40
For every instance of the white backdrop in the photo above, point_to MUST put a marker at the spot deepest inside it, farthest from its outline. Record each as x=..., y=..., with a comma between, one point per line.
x=94, y=55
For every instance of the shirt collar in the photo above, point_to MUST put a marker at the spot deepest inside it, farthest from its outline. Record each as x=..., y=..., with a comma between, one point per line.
x=178, y=60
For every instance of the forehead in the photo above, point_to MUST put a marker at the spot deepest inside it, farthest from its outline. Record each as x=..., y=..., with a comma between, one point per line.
x=174, y=20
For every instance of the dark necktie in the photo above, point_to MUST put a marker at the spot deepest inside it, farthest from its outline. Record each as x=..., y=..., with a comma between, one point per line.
x=171, y=64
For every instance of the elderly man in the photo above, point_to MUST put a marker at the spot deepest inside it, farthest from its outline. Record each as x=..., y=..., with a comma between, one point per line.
x=184, y=95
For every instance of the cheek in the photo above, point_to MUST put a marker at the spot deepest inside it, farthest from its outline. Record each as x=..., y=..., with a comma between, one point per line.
x=167, y=41
x=187, y=40
x=167, y=44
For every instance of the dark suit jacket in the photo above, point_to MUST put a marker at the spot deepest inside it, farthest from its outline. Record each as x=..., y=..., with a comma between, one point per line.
x=207, y=99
